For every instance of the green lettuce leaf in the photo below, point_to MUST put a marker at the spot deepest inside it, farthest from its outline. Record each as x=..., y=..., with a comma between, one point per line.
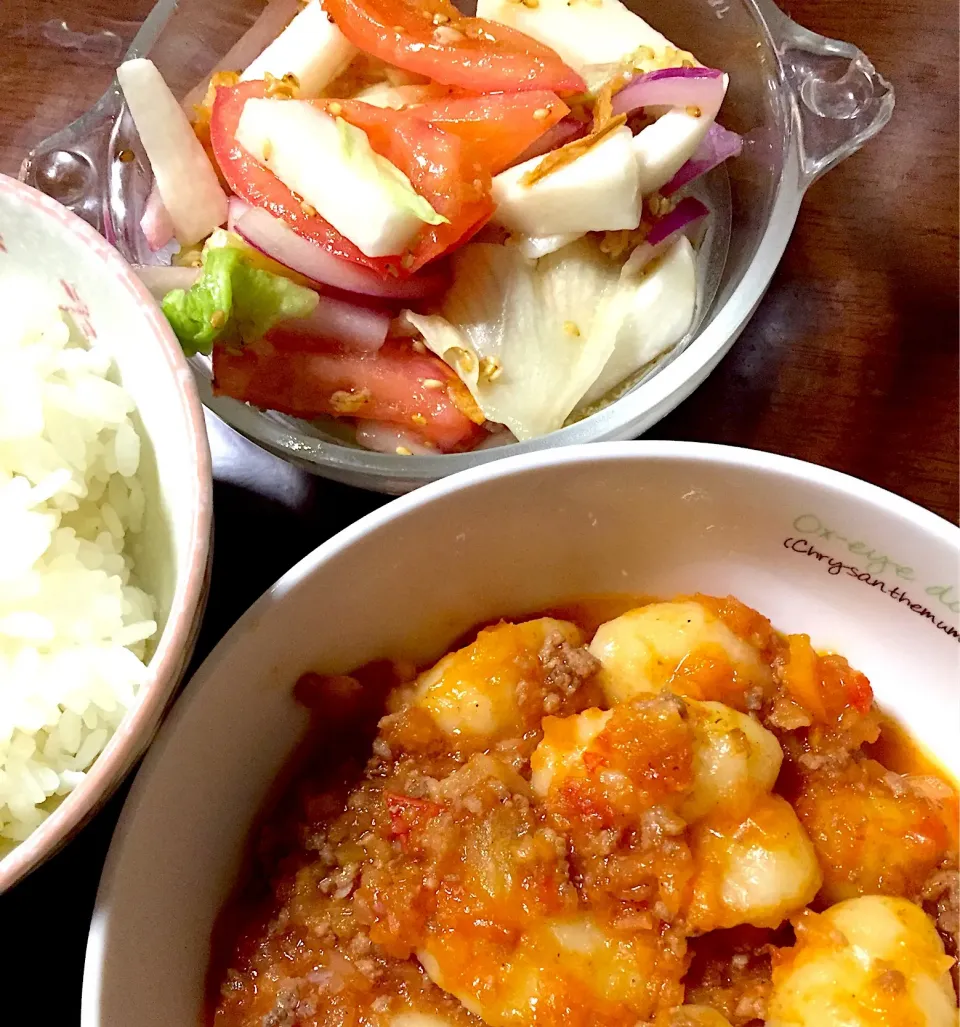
x=233, y=302
x=369, y=164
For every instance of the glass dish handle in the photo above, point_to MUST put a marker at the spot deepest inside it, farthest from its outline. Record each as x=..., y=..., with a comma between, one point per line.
x=839, y=99
x=79, y=166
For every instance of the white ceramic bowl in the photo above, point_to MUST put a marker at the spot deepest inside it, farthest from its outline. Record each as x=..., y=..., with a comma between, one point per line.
x=511, y=537
x=39, y=237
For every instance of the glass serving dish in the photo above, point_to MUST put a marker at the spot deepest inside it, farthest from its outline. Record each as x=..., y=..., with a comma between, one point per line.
x=801, y=101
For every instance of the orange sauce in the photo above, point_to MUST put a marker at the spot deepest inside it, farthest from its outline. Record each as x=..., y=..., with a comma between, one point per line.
x=897, y=750
x=900, y=752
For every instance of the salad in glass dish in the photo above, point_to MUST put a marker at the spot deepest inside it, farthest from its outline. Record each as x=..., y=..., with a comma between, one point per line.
x=437, y=232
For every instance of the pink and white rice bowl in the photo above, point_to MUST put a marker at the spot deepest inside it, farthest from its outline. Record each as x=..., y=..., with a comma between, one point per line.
x=105, y=515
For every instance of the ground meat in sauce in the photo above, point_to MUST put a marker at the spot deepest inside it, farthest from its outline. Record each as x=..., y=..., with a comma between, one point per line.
x=284, y=1012
x=566, y=667
x=730, y=972
x=851, y=811
x=442, y=850
x=940, y=897
x=943, y=889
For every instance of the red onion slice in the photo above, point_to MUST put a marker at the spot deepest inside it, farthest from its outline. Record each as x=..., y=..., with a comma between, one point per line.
x=160, y=279
x=664, y=233
x=236, y=208
x=156, y=223
x=184, y=176
x=563, y=132
x=383, y=437
x=686, y=212
x=718, y=145
x=356, y=327
x=703, y=88
x=271, y=236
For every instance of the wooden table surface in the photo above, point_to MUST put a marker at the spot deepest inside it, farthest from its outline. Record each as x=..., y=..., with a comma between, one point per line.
x=851, y=360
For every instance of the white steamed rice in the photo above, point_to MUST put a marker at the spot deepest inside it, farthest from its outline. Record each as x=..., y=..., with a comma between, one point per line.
x=73, y=629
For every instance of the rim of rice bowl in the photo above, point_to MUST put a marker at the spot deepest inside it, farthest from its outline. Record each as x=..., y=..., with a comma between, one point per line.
x=78, y=704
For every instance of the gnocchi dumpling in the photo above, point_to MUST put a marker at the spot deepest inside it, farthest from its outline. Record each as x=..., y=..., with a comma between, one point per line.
x=473, y=694
x=573, y=963
x=681, y=646
x=506, y=933
x=566, y=740
x=736, y=761
x=607, y=767
x=733, y=760
x=755, y=871
x=715, y=767
x=853, y=813
x=873, y=961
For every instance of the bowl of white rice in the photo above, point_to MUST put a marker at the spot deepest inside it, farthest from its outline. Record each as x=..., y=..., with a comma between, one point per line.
x=105, y=516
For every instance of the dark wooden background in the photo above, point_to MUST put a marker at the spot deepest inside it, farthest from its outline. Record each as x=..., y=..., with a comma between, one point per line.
x=851, y=360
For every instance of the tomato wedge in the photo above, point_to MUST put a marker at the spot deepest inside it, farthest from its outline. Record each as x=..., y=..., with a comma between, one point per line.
x=432, y=38
x=496, y=128
x=430, y=158
x=252, y=182
x=395, y=384
x=439, y=167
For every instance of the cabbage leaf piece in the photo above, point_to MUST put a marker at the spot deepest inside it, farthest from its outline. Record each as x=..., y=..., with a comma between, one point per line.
x=527, y=337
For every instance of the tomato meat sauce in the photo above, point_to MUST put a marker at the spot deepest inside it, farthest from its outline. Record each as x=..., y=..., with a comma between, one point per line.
x=494, y=839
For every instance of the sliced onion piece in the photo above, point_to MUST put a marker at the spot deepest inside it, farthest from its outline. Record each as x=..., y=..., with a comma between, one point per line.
x=719, y=144
x=533, y=247
x=702, y=88
x=499, y=436
x=156, y=223
x=236, y=208
x=160, y=279
x=686, y=212
x=271, y=236
x=185, y=178
x=353, y=325
x=383, y=437
x=273, y=19
x=664, y=233
x=563, y=132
